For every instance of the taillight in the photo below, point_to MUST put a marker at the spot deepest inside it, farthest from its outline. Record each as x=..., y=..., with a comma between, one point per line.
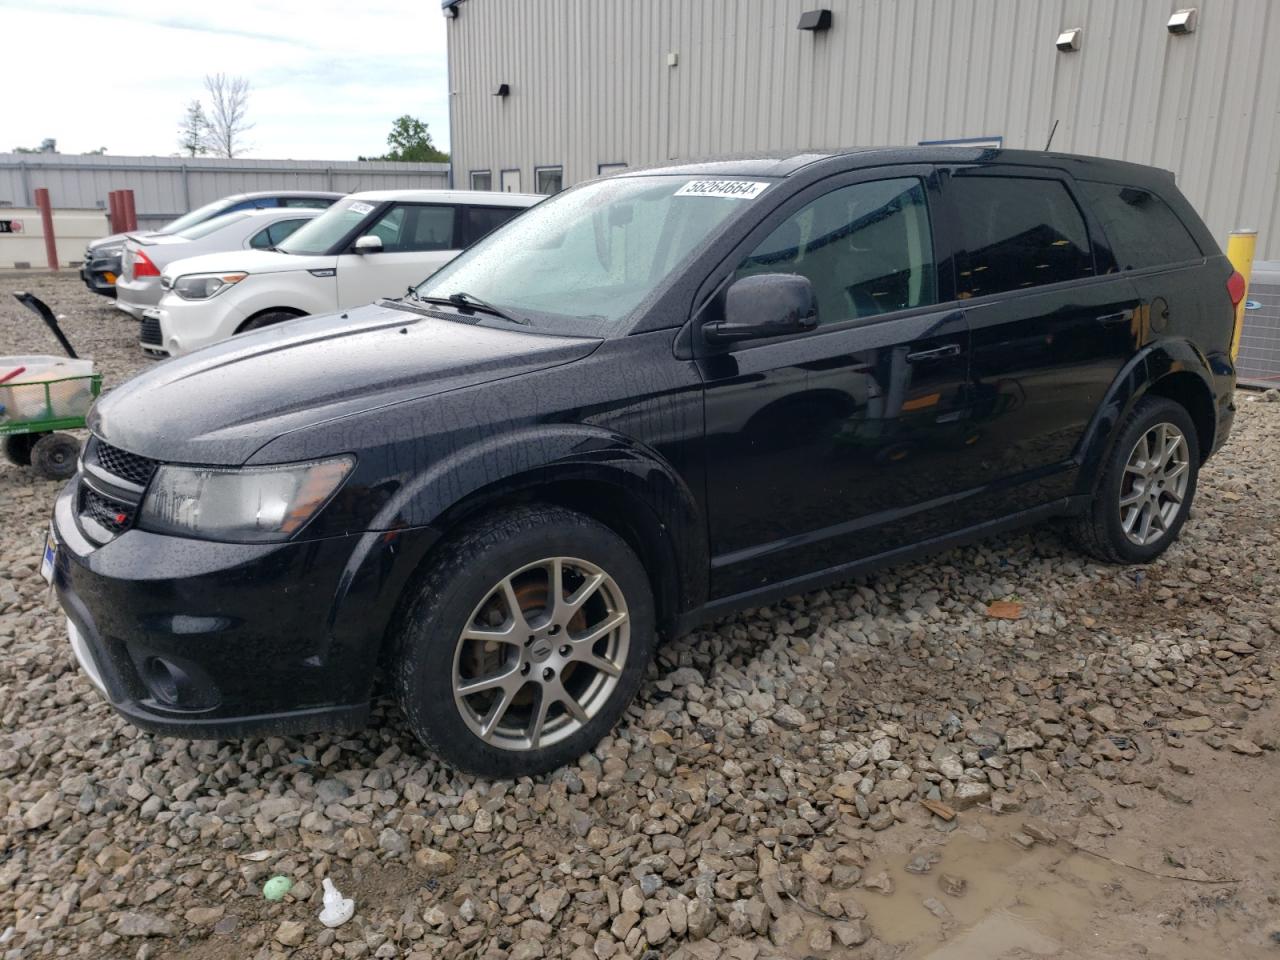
x=1235, y=288
x=143, y=267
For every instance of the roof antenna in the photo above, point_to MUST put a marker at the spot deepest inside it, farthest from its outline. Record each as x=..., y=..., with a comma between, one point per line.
x=1052, y=131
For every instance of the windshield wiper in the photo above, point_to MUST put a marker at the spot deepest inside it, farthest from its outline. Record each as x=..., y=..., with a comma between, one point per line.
x=465, y=301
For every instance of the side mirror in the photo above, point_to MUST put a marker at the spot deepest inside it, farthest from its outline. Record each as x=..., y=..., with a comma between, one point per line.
x=765, y=305
x=369, y=243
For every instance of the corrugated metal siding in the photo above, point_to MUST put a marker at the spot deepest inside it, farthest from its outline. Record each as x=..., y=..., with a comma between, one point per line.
x=167, y=186
x=590, y=85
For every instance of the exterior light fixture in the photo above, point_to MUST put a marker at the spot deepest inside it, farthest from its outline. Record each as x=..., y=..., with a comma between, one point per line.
x=503, y=90
x=815, y=20
x=1069, y=40
x=450, y=8
x=1183, y=22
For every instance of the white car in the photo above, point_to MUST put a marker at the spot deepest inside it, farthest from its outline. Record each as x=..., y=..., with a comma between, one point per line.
x=145, y=255
x=365, y=247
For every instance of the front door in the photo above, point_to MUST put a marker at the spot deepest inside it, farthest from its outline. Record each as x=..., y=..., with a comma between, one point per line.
x=834, y=445
x=510, y=181
x=1051, y=330
x=417, y=239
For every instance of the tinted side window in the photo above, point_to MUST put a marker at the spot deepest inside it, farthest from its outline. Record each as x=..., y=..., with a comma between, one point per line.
x=1015, y=233
x=866, y=248
x=484, y=220
x=262, y=239
x=1142, y=229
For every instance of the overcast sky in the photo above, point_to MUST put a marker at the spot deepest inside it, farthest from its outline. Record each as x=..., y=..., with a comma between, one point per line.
x=327, y=76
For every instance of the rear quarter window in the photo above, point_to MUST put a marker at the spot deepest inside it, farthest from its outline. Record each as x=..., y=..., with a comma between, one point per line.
x=1017, y=232
x=1141, y=228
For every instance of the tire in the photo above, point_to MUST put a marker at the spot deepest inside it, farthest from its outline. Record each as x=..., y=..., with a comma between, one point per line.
x=267, y=320
x=17, y=448
x=464, y=590
x=54, y=456
x=1101, y=531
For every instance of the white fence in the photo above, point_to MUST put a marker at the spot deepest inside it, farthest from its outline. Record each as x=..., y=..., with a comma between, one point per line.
x=165, y=187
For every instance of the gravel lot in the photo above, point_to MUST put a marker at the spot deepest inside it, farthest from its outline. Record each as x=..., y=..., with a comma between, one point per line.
x=1105, y=749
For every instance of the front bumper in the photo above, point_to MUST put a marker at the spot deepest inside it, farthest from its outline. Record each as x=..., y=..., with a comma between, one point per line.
x=200, y=639
x=187, y=325
x=100, y=274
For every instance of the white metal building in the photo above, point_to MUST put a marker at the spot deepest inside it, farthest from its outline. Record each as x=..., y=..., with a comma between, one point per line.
x=551, y=92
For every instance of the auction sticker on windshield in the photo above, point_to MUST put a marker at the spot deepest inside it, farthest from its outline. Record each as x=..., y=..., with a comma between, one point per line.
x=359, y=206
x=738, y=189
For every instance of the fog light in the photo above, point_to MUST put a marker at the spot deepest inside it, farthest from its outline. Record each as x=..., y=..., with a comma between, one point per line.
x=172, y=686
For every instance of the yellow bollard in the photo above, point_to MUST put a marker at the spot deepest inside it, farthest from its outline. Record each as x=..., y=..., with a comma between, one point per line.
x=1240, y=248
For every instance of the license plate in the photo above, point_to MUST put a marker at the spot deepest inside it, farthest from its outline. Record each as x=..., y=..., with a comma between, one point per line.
x=46, y=561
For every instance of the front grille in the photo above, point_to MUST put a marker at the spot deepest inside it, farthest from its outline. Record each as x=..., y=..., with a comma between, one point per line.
x=121, y=463
x=111, y=514
x=151, y=330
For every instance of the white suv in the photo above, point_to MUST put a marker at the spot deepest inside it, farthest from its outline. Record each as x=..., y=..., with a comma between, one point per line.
x=366, y=246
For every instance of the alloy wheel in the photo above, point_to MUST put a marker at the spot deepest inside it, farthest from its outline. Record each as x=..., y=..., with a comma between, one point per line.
x=1154, y=484
x=541, y=654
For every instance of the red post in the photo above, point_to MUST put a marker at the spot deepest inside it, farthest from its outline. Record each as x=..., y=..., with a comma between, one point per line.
x=113, y=207
x=130, y=214
x=46, y=220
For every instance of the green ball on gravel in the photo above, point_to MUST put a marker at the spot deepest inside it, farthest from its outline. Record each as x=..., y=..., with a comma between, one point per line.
x=277, y=887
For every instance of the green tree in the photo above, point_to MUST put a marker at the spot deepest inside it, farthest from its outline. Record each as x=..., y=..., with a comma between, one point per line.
x=193, y=130
x=410, y=142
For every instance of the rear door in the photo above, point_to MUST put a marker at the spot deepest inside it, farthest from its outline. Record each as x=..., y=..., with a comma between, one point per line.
x=1050, y=330
x=417, y=239
x=834, y=445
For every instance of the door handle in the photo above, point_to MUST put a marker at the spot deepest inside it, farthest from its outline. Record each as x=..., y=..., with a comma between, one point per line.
x=937, y=353
x=1122, y=316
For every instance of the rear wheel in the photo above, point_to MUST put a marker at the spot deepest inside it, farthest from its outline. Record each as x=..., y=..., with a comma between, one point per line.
x=267, y=320
x=1147, y=485
x=54, y=456
x=17, y=448
x=525, y=643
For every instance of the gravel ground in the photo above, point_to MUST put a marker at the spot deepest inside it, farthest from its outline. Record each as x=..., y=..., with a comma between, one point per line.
x=893, y=768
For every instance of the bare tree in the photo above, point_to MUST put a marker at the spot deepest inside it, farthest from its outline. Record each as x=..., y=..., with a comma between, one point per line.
x=227, y=120
x=193, y=131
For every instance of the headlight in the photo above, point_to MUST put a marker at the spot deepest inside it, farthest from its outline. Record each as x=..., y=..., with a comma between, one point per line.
x=240, y=504
x=202, y=286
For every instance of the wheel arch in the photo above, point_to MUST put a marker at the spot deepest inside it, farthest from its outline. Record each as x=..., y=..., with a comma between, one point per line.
x=626, y=486
x=1172, y=368
x=293, y=312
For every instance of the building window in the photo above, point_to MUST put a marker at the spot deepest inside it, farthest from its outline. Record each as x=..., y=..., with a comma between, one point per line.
x=481, y=180
x=548, y=180
x=607, y=169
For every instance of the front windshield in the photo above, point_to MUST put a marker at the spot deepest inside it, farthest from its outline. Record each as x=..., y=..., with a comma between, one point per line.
x=582, y=261
x=318, y=237
x=211, y=226
x=198, y=215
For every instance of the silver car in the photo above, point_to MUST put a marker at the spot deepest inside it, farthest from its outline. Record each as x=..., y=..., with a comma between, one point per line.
x=146, y=255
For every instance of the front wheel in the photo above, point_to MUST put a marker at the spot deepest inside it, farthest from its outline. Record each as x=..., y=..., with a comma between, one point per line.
x=1147, y=485
x=525, y=643
x=267, y=320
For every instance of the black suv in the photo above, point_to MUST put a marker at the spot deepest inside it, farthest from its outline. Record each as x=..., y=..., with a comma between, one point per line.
x=648, y=401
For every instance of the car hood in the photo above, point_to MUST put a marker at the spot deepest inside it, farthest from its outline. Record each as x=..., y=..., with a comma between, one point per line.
x=249, y=261
x=221, y=404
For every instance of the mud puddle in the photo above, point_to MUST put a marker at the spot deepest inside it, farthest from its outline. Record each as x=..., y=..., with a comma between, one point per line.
x=1049, y=901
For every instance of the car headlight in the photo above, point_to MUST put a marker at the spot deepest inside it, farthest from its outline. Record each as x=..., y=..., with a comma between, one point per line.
x=202, y=286
x=240, y=504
